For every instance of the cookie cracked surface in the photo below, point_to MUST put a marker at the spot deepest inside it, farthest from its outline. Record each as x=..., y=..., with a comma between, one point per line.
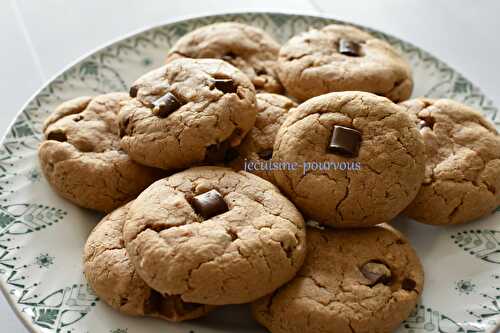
x=462, y=174
x=81, y=156
x=248, y=48
x=112, y=276
x=331, y=292
x=257, y=147
x=235, y=257
x=391, y=159
x=207, y=117
x=310, y=64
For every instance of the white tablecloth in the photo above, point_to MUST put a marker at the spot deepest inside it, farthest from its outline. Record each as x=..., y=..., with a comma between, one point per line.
x=40, y=38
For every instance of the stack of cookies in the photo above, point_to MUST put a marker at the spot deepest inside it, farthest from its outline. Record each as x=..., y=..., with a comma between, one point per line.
x=210, y=165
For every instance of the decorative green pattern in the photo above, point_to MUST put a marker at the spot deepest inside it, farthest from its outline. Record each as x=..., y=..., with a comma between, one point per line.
x=59, y=309
x=44, y=260
x=427, y=320
x=483, y=244
x=490, y=311
x=465, y=287
x=24, y=219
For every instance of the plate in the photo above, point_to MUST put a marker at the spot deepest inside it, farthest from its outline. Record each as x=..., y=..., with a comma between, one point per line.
x=42, y=235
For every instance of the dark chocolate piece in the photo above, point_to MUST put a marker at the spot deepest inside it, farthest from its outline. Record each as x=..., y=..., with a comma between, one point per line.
x=426, y=122
x=231, y=154
x=349, y=48
x=133, y=91
x=123, y=120
x=209, y=204
x=165, y=105
x=408, y=284
x=227, y=86
x=228, y=56
x=266, y=154
x=376, y=272
x=57, y=135
x=345, y=141
x=220, y=153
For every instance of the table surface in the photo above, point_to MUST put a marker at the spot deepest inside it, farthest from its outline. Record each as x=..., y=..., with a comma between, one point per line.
x=40, y=38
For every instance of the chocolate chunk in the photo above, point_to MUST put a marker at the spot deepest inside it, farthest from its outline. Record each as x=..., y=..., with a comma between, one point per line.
x=220, y=153
x=266, y=154
x=227, y=86
x=209, y=204
x=57, y=135
x=349, y=48
x=345, y=141
x=216, y=153
x=231, y=154
x=228, y=56
x=408, y=284
x=78, y=118
x=376, y=272
x=261, y=71
x=133, y=91
x=165, y=105
x=426, y=122
x=123, y=120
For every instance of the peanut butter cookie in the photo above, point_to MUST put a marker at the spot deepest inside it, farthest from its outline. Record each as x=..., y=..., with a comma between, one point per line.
x=211, y=235
x=81, y=156
x=363, y=281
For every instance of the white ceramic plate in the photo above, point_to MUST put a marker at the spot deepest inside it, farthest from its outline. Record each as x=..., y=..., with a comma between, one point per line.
x=42, y=235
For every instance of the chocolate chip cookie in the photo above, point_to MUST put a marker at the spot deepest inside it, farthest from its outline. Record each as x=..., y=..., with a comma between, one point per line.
x=81, y=156
x=462, y=174
x=113, y=277
x=248, y=48
x=341, y=58
x=364, y=281
x=187, y=112
x=257, y=148
x=358, y=157
x=211, y=235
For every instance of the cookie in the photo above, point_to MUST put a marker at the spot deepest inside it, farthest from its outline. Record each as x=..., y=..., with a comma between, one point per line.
x=81, y=156
x=462, y=171
x=211, y=235
x=342, y=58
x=112, y=276
x=257, y=148
x=187, y=112
x=358, y=157
x=248, y=48
x=364, y=281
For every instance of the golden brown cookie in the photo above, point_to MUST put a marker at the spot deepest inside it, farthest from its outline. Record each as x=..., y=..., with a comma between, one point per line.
x=462, y=174
x=359, y=159
x=186, y=113
x=248, y=48
x=81, y=156
x=257, y=148
x=211, y=235
x=113, y=277
x=364, y=281
x=342, y=58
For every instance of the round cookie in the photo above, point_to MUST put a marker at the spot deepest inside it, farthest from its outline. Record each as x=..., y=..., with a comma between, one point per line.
x=462, y=174
x=342, y=58
x=364, y=281
x=112, y=276
x=211, y=235
x=81, y=156
x=186, y=113
x=257, y=148
x=248, y=48
x=364, y=188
